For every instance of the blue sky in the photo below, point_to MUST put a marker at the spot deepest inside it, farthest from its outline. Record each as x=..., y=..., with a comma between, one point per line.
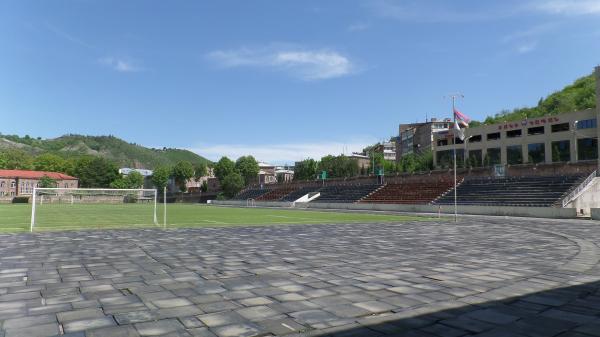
x=281, y=80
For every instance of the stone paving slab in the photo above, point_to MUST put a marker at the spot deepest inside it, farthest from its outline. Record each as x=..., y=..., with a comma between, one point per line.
x=481, y=277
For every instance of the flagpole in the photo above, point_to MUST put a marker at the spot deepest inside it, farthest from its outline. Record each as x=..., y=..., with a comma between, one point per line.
x=454, y=143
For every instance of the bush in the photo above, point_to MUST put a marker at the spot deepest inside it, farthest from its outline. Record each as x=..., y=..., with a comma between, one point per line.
x=130, y=199
x=20, y=200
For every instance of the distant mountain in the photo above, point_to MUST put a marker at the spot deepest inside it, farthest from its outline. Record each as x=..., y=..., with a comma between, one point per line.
x=110, y=147
x=580, y=95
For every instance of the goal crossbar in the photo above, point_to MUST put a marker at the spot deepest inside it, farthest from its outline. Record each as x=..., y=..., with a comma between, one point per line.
x=87, y=191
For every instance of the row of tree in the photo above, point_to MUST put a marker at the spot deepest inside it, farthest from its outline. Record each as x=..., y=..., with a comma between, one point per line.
x=99, y=172
x=344, y=167
x=234, y=176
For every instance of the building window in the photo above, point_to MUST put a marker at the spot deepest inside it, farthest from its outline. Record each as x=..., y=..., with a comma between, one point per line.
x=458, y=141
x=442, y=142
x=536, y=153
x=538, y=130
x=493, y=157
x=475, y=139
x=445, y=158
x=514, y=154
x=13, y=184
x=513, y=133
x=561, y=151
x=475, y=158
x=587, y=148
x=586, y=124
x=493, y=136
x=560, y=127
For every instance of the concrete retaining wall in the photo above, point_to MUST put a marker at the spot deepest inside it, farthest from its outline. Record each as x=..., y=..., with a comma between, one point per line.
x=536, y=212
x=595, y=213
x=590, y=198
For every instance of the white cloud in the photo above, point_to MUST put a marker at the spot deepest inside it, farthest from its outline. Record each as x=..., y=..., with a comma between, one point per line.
x=358, y=27
x=69, y=37
x=120, y=65
x=526, y=47
x=283, y=153
x=299, y=62
x=435, y=11
x=530, y=32
x=569, y=7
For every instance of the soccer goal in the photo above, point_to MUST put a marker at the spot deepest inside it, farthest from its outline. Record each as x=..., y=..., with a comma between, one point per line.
x=93, y=208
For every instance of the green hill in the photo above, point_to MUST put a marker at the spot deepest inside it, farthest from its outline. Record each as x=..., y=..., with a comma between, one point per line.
x=580, y=95
x=123, y=153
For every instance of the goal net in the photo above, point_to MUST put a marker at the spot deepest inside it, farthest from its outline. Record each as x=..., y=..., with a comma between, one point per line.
x=93, y=208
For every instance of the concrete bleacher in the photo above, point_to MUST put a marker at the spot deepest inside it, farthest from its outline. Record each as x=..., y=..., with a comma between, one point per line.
x=297, y=194
x=251, y=193
x=277, y=194
x=534, y=191
x=416, y=193
x=345, y=193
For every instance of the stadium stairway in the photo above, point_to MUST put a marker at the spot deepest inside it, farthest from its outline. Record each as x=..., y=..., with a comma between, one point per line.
x=512, y=191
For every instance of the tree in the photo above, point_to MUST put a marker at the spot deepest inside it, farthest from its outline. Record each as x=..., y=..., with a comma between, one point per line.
x=49, y=162
x=15, y=159
x=232, y=184
x=182, y=172
x=223, y=168
x=47, y=182
x=306, y=169
x=248, y=167
x=200, y=170
x=575, y=97
x=409, y=163
x=133, y=180
x=160, y=176
x=95, y=172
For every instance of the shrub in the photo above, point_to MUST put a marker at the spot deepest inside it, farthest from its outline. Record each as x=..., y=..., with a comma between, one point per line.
x=20, y=200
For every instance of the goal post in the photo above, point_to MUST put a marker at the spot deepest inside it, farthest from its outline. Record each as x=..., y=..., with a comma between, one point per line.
x=93, y=207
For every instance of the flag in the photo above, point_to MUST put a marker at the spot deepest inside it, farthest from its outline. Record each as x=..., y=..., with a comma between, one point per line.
x=458, y=132
x=461, y=118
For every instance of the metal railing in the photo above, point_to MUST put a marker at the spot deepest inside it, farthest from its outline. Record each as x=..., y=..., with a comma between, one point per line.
x=579, y=189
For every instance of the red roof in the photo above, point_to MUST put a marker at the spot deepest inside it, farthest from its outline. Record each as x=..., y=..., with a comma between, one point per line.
x=25, y=174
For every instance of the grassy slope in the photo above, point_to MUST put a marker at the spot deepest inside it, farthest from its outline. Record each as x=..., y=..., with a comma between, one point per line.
x=125, y=154
x=17, y=217
x=580, y=95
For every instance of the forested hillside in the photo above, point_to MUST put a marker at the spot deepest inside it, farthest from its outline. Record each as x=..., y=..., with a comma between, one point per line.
x=109, y=147
x=580, y=95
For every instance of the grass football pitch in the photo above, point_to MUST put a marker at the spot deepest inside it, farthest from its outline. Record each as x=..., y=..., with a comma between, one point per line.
x=16, y=217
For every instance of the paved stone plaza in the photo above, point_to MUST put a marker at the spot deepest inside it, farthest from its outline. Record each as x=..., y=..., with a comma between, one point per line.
x=483, y=277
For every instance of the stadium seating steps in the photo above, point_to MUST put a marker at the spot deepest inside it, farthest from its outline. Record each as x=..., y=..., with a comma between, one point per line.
x=409, y=193
x=336, y=193
x=345, y=193
x=295, y=195
x=251, y=193
x=533, y=191
x=512, y=191
x=277, y=194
